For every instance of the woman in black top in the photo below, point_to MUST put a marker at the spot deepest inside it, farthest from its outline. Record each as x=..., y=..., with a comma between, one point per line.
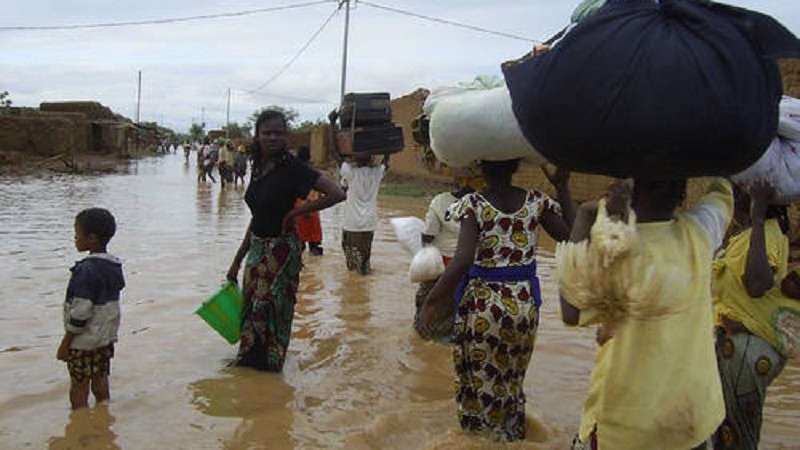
x=272, y=268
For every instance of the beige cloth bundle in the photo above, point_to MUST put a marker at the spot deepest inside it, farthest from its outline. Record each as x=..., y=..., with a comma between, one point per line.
x=612, y=273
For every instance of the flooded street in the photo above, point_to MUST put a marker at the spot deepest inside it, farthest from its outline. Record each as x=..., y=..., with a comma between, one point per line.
x=356, y=375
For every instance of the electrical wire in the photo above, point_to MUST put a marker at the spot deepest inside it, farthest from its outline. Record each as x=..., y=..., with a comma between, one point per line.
x=296, y=55
x=294, y=98
x=165, y=21
x=447, y=22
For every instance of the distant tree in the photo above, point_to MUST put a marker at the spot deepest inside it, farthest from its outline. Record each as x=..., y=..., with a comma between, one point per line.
x=307, y=125
x=238, y=131
x=5, y=103
x=291, y=115
x=197, y=131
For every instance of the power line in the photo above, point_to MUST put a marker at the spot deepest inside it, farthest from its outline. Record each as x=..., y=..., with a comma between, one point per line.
x=165, y=21
x=263, y=94
x=296, y=55
x=447, y=22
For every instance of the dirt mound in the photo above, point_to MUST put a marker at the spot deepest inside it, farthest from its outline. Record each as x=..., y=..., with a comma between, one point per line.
x=91, y=110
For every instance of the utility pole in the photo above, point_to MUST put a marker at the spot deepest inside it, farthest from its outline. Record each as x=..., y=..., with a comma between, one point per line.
x=139, y=97
x=228, y=116
x=344, y=52
x=203, y=116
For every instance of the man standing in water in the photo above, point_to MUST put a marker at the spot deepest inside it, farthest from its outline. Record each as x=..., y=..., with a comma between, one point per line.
x=361, y=181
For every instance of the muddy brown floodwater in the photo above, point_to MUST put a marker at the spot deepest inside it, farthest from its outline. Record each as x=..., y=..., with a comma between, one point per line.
x=357, y=376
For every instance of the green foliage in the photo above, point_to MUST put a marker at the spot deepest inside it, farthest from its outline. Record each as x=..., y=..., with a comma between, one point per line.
x=235, y=130
x=291, y=115
x=307, y=125
x=407, y=190
x=197, y=131
x=5, y=103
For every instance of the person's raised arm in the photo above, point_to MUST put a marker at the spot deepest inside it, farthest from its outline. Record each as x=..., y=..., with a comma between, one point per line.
x=584, y=219
x=385, y=161
x=560, y=180
x=714, y=210
x=333, y=144
x=331, y=195
x=758, y=276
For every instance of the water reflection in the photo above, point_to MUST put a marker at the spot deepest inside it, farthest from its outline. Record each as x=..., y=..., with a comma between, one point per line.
x=259, y=399
x=356, y=374
x=87, y=428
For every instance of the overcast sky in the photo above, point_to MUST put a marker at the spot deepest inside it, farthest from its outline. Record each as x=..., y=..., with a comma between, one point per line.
x=188, y=67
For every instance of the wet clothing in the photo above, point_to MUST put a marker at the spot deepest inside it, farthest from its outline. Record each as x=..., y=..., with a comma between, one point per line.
x=755, y=336
x=240, y=164
x=272, y=268
x=655, y=385
x=85, y=364
x=362, y=184
x=357, y=247
x=442, y=328
x=444, y=228
x=273, y=194
x=271, y=278
x=497, y=317
x=747, y=365
x=591, y=444
x=91, y=307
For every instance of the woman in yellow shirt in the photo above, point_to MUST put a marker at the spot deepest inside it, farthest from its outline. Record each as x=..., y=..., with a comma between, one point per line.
x=655, y=385
x=757, y=315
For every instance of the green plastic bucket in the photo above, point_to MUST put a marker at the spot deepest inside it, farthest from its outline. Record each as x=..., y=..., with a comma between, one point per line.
x=223, y=312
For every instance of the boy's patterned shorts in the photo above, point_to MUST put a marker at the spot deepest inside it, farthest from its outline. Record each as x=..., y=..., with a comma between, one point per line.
x=84, y=364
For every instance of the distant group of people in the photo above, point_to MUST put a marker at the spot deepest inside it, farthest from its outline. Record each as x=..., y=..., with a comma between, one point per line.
x=661, y=380
x=230, y=161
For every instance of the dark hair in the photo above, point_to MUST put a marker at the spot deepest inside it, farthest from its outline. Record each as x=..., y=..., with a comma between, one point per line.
x=304, y=153
x=463, y=191
x=499, y=169
x=255, y=149
x=97, y=221
x=667, y=194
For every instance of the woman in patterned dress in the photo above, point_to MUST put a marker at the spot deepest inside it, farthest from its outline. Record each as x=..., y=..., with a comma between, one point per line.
x=498, y=297
x=757, y=314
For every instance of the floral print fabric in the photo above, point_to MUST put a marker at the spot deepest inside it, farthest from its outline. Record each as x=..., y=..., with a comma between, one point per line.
x=496, y=322
x=271, y=278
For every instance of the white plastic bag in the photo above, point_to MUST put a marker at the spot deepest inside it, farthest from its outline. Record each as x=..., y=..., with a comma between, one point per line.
x=408, y=231
x=779, y=166
x=789, y=118
x=426, y=265
x=471, y=123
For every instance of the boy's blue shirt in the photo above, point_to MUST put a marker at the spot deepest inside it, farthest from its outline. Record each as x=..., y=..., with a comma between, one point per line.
x=91, y=307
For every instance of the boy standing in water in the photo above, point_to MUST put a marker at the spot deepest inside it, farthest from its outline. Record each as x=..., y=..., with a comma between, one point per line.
x=361, y=181
x=91, y=309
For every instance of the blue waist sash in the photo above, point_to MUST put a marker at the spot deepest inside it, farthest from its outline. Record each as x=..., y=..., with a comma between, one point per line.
x=502, y=275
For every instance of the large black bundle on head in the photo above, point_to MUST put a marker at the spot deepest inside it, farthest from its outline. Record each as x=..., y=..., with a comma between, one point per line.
x=655, y=90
